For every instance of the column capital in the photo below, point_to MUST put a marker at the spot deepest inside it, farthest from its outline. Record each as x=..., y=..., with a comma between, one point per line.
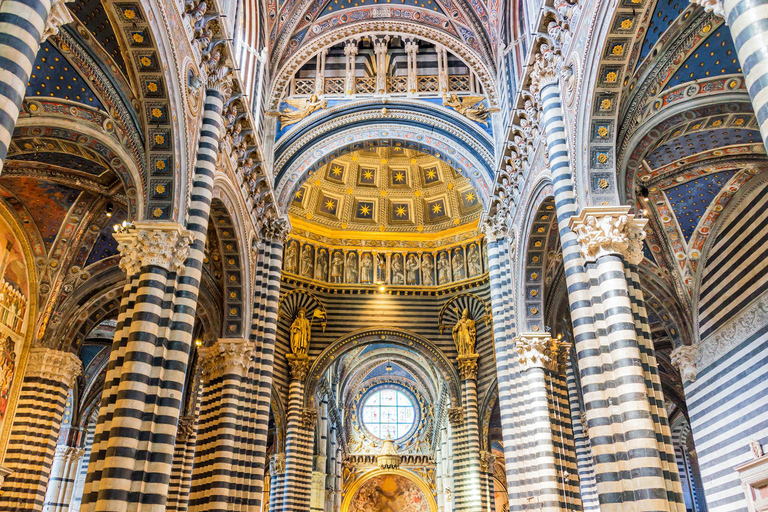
x=456, y=416
x=487, y=460
x=227, y=355
x=685, y=358
x=68, y=452
x=603, y=230
x=50, y=364
x=714, y=6
x=186, y=428
x=468, y=366
x=277, y=464
x=274, y=228
x=494, y=229
x=540, y=350
x=546, y=69
x=58, y=16
x=299, y=366
x=308, y=418
x=163, y=244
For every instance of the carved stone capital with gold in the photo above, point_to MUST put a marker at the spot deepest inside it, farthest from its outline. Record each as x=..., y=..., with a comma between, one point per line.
x=299, y=366
x=274, y=229
x=685, y=358
x=539, y=350
x=603, y=230
x=226, y=356
x=456, y=416
x=308, y=418
x=487, y=460
x=56, y=365
x=277, y=464
x=186, y=428
x=162, y=244
x=58, y=16
x=468, y=366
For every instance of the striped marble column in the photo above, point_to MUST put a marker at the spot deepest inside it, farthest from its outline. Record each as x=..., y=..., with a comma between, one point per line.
x=218, y=454
x=276, y=475
x=48, y=377
x=630, y=467
x=61, y=482
x=24, y=24
x=466, y=429
x=299, y=443
x=183, y=461
x=132, y=455
x=487, y=463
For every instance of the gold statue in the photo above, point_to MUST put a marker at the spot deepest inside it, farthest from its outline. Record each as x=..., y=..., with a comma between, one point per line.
x=300, y=332
x=471, y=107
x=303, y=107
x=465, y=334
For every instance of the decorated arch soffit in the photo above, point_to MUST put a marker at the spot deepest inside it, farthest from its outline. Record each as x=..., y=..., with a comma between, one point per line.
x=385, y=27
x=318, y=143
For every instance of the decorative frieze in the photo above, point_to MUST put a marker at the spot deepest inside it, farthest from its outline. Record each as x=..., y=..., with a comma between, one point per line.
x=70, y=453
x=539, y=350
x=603, y=230
x=741, y=327
x=56, y=365
x=685, y=358
x=224, y=357
x=162, y=244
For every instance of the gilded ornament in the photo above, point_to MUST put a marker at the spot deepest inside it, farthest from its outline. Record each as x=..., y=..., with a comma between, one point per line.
x=304, y=107
x=471, y=107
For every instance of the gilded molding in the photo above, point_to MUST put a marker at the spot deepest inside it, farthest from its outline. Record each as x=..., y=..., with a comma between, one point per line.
x=603, y=230
x=162, y=244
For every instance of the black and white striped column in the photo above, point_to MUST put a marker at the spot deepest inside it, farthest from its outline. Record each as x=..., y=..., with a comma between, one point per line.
x=466, y=435
x=299, y=443
x=132, y=455
x=24, y=25
x=61, y=482
x=48, y=377
x=183, y=461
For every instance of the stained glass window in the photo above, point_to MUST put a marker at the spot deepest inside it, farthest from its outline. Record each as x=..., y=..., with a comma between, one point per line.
x=388, y=413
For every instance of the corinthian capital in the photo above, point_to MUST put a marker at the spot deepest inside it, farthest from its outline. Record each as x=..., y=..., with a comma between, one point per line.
x=58, y=16
x=713, y=6
x=685, y=358
x=546, y=69
x=56, y=365
x=226, y=356
x=539, y=350
x=603, y=230
x=163, y=244
x=274, y=228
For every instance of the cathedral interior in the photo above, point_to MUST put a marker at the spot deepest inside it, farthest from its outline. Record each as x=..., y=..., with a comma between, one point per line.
x=383, y=255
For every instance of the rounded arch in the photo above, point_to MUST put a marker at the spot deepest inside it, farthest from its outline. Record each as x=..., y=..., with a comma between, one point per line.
x=380, y=27
x=345, y=505
x=316, y=144
x=368, y=337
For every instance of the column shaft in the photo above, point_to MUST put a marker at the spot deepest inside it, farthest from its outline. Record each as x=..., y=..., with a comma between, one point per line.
x=183, y=461
x=61, y=482
x=299, y=449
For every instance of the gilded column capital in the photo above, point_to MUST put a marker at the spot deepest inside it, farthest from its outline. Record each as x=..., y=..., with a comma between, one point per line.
x=308, y=418
x=468, y=366
x=299, y=366
x=685, y=358
x=487, y=461
x=539, y=350
x=163, y=244
x=225, y=356
x=58, y=16
x=714, y=6
x=602, y=230
x=456, y=416
x=186, y=428
x=57, y=365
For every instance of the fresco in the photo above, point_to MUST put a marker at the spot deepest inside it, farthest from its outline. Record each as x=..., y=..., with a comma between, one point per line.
x=389, y=493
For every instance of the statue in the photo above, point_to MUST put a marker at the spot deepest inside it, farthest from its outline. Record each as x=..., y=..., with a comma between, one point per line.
x=381, y=270
x=427, y=269
x=471, y=107
x=304, y=107
x=465, y=334
x=366, y=268
x=292, y=257
x=412, y=269
x=300, y=331
x=443, y=269
x=321, y=269
x=458, y=264
x=397, y=269
x=337, y=267
x=473, y=261
x=351, y=267
x=306, y=261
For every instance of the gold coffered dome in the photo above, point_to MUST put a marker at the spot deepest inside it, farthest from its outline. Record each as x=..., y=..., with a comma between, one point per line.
x=384, y=193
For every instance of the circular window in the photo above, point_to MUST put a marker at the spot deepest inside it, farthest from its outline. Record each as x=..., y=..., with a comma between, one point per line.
x=389, y=413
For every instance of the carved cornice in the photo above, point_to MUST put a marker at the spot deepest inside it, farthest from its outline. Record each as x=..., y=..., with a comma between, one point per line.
x=226, y=356
x=162, y=244
x=684, y=358
x=68, y=453
x=56, y=365
x=603, y=230
x=539, y=350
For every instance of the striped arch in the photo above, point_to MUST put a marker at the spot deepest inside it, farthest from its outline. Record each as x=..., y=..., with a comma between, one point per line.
x=471, y=58
x=414, y=125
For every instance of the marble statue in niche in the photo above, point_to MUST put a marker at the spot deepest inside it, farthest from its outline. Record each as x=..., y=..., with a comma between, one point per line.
x=473, y=261
x=366, y=268
x=427, y=270
x=458, y=264
x=443, y=268
x=292, y=257
x=321, y=268
x=465, y=334
x=337, y=267
x=306, y=261
x=397, y=269
x=351, y=267
x=381, y=268
x=300, y=332
x=412, y=269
